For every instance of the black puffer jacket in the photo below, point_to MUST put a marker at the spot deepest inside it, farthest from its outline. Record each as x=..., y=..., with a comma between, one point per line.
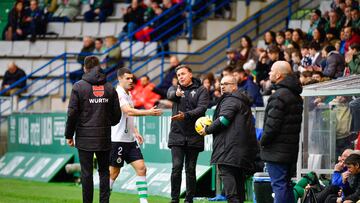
x=93, y=108
x=235, y=141
x=194, y=105
x=282, y=124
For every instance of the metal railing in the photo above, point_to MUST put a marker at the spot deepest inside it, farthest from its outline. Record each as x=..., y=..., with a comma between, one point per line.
x=59, y=64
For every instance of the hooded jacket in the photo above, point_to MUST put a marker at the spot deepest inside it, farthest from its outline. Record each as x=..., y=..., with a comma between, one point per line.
x=93, y=108
x=282, y=122
x=335, y=65
x=194, y=105
x=233, y=132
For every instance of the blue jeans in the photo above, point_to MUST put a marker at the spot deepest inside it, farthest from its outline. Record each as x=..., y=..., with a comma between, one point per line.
x=281, y=182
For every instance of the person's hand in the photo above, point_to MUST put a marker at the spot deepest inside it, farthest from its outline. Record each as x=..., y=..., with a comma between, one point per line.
x=139, y=138
x=179, y=92
x=155, y=112
x=203, y=132
x=345, y=176
x=178, y=117
x=339, y=166
x=348, y=57
x=307, y=187
x=19, y=31
x=28, y=19
x=70, y=142
x=97, y=11
x=339, y=200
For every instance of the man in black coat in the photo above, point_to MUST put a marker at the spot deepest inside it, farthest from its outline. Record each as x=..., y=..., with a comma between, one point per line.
x=12, y=75
x=235, y=145
x=93, y=109
x=282, y=125
x=190, y=101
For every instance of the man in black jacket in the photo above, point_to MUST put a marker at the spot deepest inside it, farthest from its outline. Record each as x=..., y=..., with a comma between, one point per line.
x=190, y=100
x=93, y=109
x=12, y=75
x=282, y=125
x=235, y=145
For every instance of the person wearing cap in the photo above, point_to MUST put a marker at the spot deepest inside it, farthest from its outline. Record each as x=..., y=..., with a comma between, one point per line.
x=316, y=21
x=190, y=101
x=232, y=55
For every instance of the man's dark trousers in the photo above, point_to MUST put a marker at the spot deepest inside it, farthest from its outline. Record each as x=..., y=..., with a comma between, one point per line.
x=281, y=181
x=234, y=183
x=190, y=155
x=87, y=167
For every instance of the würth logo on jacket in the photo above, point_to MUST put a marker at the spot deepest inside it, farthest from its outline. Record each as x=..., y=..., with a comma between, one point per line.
x=98, y=91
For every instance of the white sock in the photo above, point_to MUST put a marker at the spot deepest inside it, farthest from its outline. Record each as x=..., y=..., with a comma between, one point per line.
x=141, y=186
x=111, y=183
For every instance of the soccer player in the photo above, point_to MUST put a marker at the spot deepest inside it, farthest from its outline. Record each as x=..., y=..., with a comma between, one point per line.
x=125, y=134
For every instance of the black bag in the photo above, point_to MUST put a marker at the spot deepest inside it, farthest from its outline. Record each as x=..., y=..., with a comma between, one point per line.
x=310, y=197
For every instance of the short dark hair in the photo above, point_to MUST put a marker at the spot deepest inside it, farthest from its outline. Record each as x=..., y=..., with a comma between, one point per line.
x=329, y=48
x=315, y=45
x=122, y=72
x=353, y=159
x=355, y=46
x=289, y=30
x=239, y=70
x=91, y=62
x=99, y=39
x=228, y=68
x=183, y=66
x=274, y=49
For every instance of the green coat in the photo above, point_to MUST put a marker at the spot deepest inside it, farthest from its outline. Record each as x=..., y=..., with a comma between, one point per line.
x=354, y=64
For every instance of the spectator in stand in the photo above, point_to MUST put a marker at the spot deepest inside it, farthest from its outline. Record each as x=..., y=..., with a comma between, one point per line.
x=246, y=50
x=86, y=50
x=99, y=46
x=316, y=21
x=334, y=23
x=13, y=74
x=315, y=54
x=36, y=21
x=318, y=36
x=346, y=20
x=269, y=38
x=233, y=57
x=341, y=45
x=353, y=58
x=296, y=61
x=169, y=75
x=113, y=58
x=170, y=28
x=143, y=94
x=66, y=11
x=352, y=3
x=208, y=82
x=280, y=40
x=266, y=59
x=247, y=85
x=317, y=75
x=331, y=37
x=355, y=18
x=335, y=62
x=297, y=37
x=223, y=10
x=134, y=18
x=288, y=36
x=351, y=36
x=48, y=7
x=305, y=56
x=227, y=71
x=305, y=77
x=100, y=8
x=15, y=29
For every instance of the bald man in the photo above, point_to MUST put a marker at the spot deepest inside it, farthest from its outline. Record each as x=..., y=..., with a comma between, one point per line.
x=235, y=144
x=13, y=74
x=282, y=125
